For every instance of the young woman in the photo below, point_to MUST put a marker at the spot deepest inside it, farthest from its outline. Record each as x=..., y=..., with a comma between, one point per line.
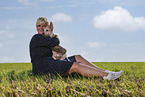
x=43, y=62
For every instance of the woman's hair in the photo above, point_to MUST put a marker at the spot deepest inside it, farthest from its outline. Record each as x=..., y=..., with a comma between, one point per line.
x=41, y=20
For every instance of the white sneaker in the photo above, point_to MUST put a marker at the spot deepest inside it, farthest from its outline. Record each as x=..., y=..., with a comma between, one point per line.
x=113, y=75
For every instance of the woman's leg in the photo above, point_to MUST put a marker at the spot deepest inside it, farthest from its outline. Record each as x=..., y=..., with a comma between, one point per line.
x=86, y=70
x=82, y=60
x=89, y=71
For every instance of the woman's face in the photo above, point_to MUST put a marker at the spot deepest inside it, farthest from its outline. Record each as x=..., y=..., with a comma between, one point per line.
x=41, y=27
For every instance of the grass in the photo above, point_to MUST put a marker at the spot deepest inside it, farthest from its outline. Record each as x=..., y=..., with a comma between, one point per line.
x=16, y=80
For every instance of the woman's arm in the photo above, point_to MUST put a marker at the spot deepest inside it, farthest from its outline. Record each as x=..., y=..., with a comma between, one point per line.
x=40, y=40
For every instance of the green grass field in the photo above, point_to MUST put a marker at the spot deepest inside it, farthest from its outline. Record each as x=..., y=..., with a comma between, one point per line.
x=16, y=80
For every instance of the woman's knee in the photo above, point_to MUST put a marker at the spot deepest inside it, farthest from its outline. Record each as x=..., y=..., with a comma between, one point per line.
x=78, y=57
x=74, y=67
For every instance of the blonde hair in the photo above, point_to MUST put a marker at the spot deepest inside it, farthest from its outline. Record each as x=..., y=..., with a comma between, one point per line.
x=41, y=20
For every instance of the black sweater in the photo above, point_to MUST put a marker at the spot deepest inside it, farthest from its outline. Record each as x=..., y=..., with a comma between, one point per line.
x=40, y=46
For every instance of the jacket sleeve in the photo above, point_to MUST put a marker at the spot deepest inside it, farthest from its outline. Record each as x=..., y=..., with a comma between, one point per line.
x=40, y=40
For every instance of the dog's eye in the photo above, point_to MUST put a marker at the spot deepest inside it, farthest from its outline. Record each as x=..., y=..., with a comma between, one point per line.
x=38, y=25
x=47, y=30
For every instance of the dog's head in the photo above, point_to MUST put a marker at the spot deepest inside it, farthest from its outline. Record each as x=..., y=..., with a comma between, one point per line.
x=48, y=31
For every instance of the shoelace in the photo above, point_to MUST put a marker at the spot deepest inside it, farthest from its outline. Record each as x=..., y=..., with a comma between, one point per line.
x=114, y=75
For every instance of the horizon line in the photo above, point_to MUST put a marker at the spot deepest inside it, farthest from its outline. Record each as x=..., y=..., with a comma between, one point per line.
x=93, y=61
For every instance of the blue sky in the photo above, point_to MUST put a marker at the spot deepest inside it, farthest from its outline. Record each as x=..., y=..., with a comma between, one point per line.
x=99, y=30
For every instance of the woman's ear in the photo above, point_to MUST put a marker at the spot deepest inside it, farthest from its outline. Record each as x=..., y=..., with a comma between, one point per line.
x=51, y=26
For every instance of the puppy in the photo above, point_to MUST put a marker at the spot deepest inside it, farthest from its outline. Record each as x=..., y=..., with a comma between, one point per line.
x=58, y=51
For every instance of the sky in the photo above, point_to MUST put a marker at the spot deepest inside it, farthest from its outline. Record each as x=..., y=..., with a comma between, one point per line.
x=99, y=30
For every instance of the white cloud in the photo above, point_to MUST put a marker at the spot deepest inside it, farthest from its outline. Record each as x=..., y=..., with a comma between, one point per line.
x=46, y=0
x=10, y=35
x=118, y=19
x=4, y=59
x=25, y=2
x=65, y=38
x=33, y=2
x=61, y=17
x=97, y=45
x=6, y=33
x=14, y=7
x=123, y=2
x=1, y=45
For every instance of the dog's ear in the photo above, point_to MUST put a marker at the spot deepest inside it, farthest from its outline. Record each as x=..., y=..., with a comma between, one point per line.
x=51, y=26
